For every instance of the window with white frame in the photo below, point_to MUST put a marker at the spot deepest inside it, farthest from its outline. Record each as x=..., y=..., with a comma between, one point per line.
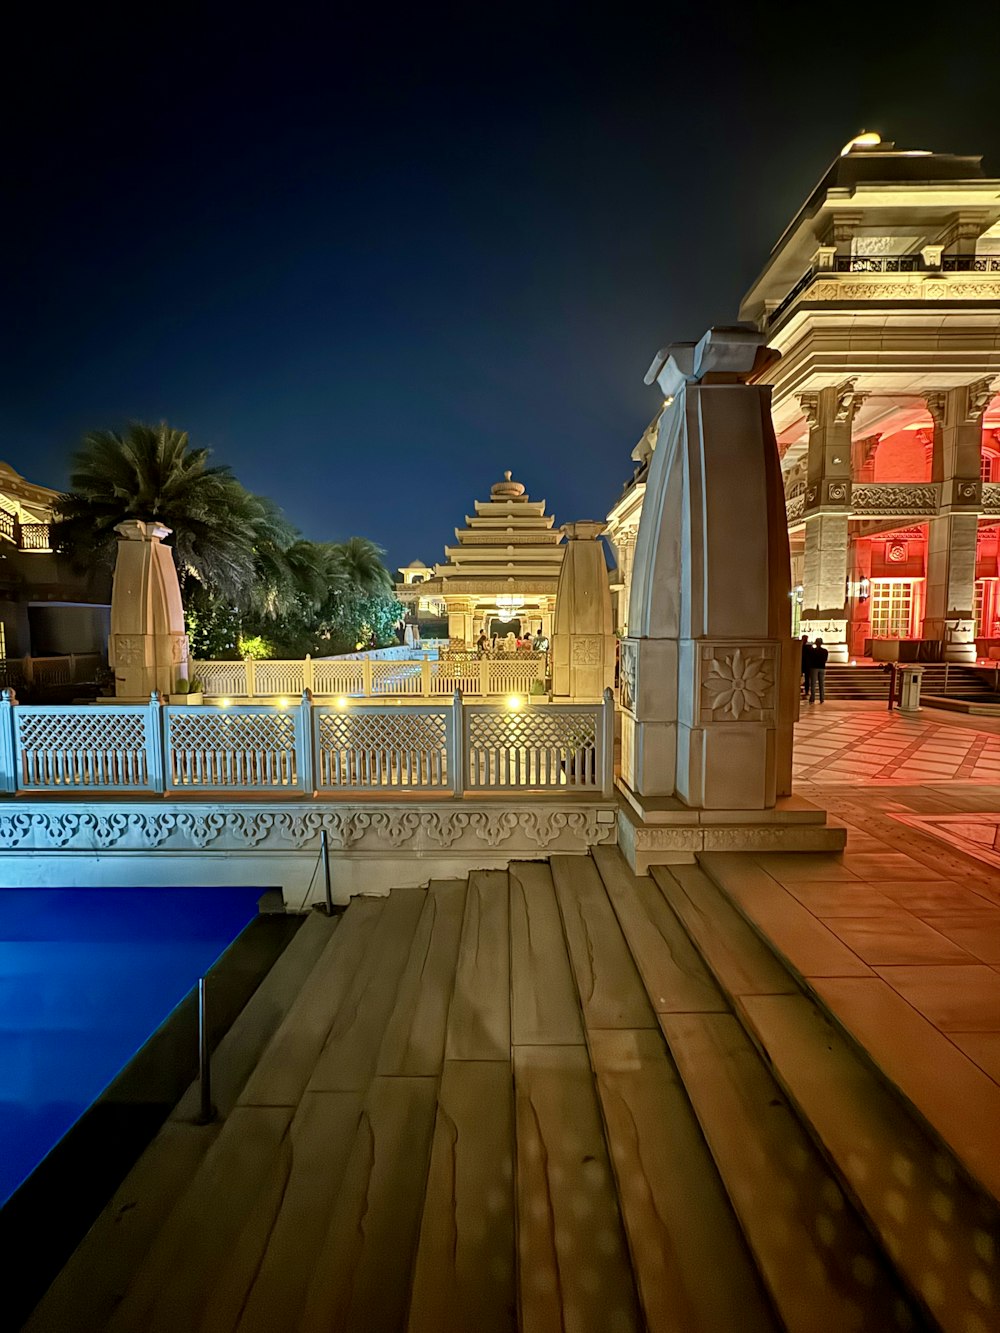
x=986, y=608
x=988, y=467
x=892, y=604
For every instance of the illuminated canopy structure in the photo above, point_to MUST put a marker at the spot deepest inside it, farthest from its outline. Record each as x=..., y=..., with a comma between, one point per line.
x=503, y=571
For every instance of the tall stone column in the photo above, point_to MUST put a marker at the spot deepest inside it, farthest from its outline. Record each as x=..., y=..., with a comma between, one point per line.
x=949, y=608
x=708, y=668
x=830, y=413
x=148, y=648
x=458, y=611
x=583, y=638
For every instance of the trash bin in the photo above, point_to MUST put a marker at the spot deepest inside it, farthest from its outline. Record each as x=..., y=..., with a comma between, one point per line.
x=909, y=690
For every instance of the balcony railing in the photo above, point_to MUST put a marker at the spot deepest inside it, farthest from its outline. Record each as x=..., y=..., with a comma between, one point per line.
x=443, y=748
x=877, y=264
x=820, y=284
x=970, y=264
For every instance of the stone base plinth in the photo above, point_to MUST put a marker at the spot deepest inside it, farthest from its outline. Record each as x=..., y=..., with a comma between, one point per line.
x=666, y=832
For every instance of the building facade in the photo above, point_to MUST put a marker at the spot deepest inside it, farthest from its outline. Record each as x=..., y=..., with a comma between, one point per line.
x=883, y=298
x=501, y=575
x=47, y=608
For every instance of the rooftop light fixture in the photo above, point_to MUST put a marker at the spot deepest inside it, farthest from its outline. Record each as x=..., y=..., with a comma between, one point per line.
x=866, y=139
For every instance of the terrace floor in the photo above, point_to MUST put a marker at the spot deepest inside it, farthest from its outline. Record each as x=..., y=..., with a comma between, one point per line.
x=757, y=1093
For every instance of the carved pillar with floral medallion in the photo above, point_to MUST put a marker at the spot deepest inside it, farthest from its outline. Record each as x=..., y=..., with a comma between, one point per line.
x=708, y=667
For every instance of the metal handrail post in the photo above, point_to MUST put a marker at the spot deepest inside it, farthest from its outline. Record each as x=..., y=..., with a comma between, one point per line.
x=327, y=885
x=206, y=1111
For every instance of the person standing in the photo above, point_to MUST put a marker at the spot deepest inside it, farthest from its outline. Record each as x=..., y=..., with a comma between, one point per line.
x=806, y=658
x=817, y=672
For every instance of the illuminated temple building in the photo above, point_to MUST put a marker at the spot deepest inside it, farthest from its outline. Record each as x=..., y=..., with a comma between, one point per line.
x=883, y=298
x=501, y=575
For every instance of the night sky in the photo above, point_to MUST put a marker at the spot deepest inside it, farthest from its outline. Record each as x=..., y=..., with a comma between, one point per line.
x=372, y=258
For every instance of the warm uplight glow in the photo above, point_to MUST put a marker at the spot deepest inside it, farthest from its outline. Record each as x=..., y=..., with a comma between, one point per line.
x=853, y=662
x=668, y=400
x=224, y=703
x=866, y=139
x=282, y=703
x=341, y=702
x=514, y=702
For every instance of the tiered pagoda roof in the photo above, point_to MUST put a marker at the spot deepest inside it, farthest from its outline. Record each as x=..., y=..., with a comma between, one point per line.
x=510, y=540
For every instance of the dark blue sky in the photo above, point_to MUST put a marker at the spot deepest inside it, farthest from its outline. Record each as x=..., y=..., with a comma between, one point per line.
x=374, y=258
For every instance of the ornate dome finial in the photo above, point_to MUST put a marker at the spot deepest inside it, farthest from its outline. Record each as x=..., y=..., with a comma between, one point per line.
x=507, y=489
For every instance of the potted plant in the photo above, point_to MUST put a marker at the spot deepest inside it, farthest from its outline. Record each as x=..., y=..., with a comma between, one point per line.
x=187, y=691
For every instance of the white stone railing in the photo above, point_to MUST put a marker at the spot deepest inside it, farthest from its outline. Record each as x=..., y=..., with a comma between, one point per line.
x=306, y=749
x=371, y=678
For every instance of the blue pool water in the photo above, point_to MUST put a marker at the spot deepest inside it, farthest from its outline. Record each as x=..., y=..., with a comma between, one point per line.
x=86, y=975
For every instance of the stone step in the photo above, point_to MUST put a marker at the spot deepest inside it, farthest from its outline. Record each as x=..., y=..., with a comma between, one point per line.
x=464, y=1274
x=816, y=1259
x=940, y=1232
x=88, y=1288
x=958, y=1103
x=691, y=1264
x=573, y=1264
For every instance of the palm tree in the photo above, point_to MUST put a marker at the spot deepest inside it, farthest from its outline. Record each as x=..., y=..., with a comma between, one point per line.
x=357, y=563
x=223, y=538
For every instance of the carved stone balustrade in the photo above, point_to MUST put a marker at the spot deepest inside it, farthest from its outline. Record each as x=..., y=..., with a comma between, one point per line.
x=888, y=499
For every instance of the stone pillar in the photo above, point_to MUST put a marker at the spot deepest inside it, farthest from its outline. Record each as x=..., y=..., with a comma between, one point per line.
x=707, y=692
x=457, y=611
x=625, y=547
x=583, y=638
x=148, y=648
x=949, y=608
x=830, y=414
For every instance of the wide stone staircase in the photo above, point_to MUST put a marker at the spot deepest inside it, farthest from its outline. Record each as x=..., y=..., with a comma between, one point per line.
x=952, y=681
x=563, y=1097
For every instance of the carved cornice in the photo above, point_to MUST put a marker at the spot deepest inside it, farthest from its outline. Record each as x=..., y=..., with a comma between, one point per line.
x=841, y=405
x=936, y=402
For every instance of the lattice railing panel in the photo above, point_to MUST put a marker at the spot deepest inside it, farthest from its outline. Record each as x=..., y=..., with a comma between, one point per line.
x=276, y=677
x=404, y=748
x=456, y=674
x=81, y=747
x=239, y=747
x=515, y=675
x=404, y=678
x=224, y=679
x=338, y=678
x=533, y=748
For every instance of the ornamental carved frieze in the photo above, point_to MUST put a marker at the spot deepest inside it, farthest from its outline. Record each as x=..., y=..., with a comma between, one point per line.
x=842, y=405
x=794, y=508
x=874, y=499
x=220, y=831
x=737, y=684
x=991, y=497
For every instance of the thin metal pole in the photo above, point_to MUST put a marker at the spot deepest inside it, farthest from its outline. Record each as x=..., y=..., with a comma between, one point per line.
x=206, y=1111
x=325, y=851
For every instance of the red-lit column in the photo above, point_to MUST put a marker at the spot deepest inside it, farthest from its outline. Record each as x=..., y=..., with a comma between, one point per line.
x=953, y=533
x=830, y=414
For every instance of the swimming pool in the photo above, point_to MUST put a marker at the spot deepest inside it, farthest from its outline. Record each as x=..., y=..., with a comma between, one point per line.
x=86, y=975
